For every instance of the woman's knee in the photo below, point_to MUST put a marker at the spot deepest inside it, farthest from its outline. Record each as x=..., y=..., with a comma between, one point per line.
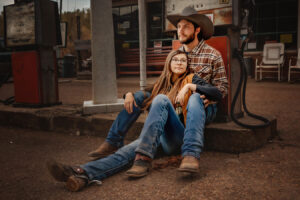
x=195, y=99
x=161, y=98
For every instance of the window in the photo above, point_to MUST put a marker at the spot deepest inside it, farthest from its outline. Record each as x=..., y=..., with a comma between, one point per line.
x=276, y=21
x=126, y=25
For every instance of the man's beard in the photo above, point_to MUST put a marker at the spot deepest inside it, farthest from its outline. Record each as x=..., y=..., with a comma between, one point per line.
x=189, y=39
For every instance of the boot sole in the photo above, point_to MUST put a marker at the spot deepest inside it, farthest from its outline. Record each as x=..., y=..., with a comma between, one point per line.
x=137, y=175
x=189, y=170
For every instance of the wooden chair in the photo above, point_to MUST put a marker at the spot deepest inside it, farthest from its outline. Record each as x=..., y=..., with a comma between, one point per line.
x=294, y=68
x=272, y=62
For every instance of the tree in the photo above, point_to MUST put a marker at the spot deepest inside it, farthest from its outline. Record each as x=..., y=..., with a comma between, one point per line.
x=70, y=18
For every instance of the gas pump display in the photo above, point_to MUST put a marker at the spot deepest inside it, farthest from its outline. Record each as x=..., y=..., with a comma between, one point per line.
x=20, y=30
x=32, y=23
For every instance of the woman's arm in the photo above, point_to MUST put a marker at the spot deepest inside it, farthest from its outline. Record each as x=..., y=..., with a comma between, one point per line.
x=183, y=91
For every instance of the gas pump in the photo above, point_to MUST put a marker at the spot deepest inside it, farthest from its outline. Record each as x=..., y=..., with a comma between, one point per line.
x=229, y=18
x=31, y=30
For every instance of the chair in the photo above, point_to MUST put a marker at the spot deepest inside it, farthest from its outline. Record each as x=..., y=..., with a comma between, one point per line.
x=294, y=67
x=273, y=58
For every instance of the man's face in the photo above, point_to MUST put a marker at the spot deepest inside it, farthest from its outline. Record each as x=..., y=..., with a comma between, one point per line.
x=186, y=31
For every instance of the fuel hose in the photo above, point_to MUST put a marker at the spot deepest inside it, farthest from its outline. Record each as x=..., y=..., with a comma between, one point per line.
x=239, y=53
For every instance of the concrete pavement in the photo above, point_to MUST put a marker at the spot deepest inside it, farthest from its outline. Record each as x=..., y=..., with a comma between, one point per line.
x=270, y=172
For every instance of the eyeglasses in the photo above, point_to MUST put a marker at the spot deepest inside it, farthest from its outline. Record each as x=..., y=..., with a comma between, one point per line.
x=179, y=61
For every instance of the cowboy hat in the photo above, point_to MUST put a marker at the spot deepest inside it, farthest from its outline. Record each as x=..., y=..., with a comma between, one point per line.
x=190, y=14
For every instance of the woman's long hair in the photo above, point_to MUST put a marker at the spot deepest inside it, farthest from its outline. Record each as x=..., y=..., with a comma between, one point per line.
x=164, y=83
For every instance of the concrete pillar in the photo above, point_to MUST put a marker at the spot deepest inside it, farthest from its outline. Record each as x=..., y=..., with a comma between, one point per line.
x=143, y=43
x=104, y=88
x=298, y=28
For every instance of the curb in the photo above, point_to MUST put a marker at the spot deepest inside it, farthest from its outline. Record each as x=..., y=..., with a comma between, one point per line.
x=224, y=137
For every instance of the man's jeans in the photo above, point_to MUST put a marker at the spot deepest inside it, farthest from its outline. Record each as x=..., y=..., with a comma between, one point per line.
x=162, y=126
x=125, y=120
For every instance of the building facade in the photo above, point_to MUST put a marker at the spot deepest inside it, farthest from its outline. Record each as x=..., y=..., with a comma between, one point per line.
x=270, y=20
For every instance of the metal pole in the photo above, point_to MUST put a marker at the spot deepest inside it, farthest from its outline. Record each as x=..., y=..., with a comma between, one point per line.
x=143, y=43
x=79, y=67
x=298, y=28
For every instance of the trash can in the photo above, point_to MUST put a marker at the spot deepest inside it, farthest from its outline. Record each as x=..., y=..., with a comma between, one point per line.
x=69, y=66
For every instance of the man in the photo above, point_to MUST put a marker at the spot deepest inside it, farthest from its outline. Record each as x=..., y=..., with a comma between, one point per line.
x=192, y=29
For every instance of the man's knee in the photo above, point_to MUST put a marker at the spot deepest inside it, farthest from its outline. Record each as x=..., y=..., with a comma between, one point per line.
x=140, y=96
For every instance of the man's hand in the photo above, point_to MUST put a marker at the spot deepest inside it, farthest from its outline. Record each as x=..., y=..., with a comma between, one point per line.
x=129, y=102
x=206, y=102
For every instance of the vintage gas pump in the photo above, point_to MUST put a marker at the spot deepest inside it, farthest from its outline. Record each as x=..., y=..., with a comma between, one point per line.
x=32, y=29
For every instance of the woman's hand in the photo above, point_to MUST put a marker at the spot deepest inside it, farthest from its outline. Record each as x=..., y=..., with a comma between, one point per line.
x=129, y=102
x=180, y=96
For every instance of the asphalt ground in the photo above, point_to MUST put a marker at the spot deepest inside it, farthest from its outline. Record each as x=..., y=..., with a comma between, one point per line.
x=270, y=172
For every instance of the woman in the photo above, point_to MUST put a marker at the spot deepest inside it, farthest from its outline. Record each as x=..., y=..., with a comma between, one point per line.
x=162, y=127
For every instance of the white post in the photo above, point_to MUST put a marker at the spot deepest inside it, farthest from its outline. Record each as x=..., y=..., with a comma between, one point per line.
x=298, y=28
x=143, y=43
x=104, y=88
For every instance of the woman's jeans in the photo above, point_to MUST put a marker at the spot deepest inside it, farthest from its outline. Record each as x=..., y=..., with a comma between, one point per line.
x=162, y=127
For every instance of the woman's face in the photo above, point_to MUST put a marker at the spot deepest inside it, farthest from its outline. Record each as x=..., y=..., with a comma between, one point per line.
x=179, y=64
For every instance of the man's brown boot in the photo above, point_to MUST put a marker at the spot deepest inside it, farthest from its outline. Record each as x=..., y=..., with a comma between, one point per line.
x=76, y=183
x=61, y=172
x=189, y=164
x=75, y=177
x=102, y=151
x=140, y=167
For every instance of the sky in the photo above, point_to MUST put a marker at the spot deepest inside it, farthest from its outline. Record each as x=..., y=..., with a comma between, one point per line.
x=68, y=5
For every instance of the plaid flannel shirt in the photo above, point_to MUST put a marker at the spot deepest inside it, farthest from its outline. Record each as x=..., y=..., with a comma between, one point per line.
x=207, y=63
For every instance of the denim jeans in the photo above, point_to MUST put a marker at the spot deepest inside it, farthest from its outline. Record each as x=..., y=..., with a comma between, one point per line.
x=162, y=127
x=125, y=120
